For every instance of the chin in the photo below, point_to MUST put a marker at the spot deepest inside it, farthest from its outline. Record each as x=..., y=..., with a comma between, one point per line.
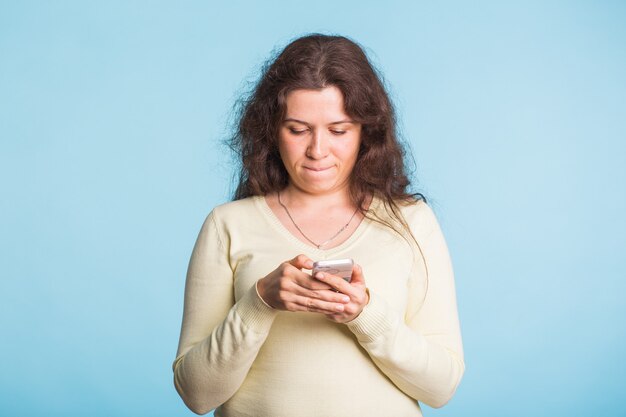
x=319, y=187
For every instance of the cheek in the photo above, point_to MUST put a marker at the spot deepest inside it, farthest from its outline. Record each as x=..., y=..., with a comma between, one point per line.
x=349, y=150
x=288, y=151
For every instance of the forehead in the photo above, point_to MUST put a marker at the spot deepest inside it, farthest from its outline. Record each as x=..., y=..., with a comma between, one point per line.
x=324, y=104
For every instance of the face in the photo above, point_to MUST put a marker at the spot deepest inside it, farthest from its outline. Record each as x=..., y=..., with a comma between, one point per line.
x=318, y=141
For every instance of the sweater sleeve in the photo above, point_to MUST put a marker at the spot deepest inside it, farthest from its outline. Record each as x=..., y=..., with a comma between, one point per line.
x=219, y=338
x=422, y=352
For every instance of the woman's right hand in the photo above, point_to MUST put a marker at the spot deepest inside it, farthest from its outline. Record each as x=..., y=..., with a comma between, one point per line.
x=288, y=288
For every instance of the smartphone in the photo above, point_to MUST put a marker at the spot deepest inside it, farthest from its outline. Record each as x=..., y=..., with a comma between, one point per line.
x=340, y=267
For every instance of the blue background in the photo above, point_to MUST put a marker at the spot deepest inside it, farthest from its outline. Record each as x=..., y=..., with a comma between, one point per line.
x=111, y=117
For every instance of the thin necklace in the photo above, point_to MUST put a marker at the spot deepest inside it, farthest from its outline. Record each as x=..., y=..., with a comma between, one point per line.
x=319, y=246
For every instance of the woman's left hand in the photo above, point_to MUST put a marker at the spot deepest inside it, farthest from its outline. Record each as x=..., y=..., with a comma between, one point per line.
x=355, y=289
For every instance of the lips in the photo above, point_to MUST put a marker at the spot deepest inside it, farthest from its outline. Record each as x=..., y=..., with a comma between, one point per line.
x=317, y=169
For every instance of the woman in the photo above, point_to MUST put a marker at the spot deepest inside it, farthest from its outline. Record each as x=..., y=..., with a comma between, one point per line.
x=322, y=178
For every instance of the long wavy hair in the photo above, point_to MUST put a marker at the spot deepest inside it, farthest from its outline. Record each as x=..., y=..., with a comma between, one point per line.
x=314, y=62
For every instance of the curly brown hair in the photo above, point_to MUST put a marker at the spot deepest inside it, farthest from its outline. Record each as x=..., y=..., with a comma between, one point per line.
x=317, y=61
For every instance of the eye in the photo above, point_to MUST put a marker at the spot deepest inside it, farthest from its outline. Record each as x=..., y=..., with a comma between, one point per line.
x=296, y=131
x=338, y=132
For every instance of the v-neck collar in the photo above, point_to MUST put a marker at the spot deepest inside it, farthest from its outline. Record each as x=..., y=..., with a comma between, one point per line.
x=262, y=205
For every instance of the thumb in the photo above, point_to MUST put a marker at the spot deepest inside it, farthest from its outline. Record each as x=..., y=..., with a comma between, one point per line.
x=357, y=275
x=301, y=261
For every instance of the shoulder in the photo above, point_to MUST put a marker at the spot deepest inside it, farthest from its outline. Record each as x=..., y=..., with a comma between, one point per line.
x=415, y=208
x=416, y=215
x=419, y=216
x=235, y=210
x=231, y=218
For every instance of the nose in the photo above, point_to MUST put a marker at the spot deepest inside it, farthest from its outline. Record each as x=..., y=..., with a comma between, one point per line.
x=319, y=146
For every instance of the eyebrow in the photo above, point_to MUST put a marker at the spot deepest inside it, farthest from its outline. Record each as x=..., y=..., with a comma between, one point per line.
x=290, y=119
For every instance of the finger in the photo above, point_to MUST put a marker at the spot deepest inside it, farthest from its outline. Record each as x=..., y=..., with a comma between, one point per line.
x=337, y=283
x=306, y=281
x=301, y=278
x=292, y=269
x=319, y=291
x=357, y=275
x=319, y=306
x=301, y=261
x=291, y=289
x=330, y=296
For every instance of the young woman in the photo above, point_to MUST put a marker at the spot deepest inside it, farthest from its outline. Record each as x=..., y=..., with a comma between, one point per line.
x=322, y=178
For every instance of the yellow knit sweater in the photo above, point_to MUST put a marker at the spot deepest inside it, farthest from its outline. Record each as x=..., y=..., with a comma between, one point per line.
x=246, y=359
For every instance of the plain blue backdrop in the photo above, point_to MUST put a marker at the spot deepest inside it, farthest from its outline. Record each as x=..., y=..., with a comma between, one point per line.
x=111, y=118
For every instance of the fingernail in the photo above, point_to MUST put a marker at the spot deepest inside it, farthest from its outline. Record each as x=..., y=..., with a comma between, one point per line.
x=339, y=307
x=346, y=299
x=319, y=275
x=309, y=264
